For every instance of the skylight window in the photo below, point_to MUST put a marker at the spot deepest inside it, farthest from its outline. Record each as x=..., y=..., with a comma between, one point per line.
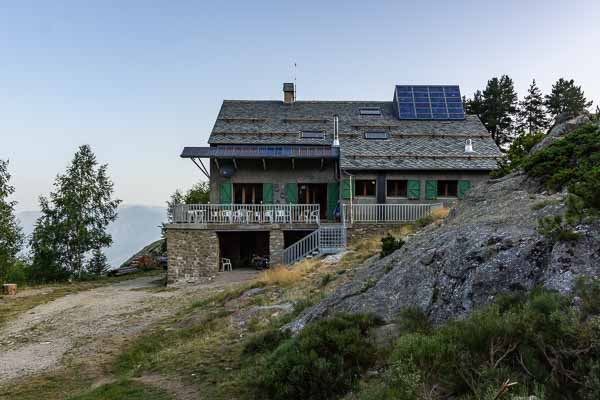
x=312, y=135
x=377, y=135
x=370, y=111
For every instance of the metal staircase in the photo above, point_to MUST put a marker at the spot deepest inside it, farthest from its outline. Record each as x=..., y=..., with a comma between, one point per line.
x=327, y=239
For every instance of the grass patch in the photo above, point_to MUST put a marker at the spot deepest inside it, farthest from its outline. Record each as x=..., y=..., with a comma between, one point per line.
x=128, y=390
x=544, y=203
x=288, y=276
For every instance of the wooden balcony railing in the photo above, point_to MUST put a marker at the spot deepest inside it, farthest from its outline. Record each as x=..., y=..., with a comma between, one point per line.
x=245, y=214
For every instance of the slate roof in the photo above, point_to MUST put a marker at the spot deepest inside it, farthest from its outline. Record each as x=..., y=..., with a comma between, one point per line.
x=413, y=144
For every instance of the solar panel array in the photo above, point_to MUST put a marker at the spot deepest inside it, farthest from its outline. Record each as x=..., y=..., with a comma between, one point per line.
x=428, y=102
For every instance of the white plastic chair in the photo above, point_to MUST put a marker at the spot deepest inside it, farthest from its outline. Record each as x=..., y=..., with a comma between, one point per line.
x=268, y=216
x=226, y=264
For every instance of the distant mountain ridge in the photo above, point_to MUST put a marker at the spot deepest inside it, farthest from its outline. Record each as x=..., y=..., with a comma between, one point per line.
x=135, y=227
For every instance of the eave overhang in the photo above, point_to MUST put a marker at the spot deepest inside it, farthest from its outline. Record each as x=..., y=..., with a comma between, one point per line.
x=262, y=152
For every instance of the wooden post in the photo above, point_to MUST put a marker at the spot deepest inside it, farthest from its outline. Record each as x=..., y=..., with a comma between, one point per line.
x=9, y=289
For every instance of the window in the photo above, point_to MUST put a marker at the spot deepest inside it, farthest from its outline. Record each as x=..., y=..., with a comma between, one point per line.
x=312, y=135
x=447, y=188
x=247, y=193
x=365, y=187
x=396, y=188
x=370, y=111
x=377, y=135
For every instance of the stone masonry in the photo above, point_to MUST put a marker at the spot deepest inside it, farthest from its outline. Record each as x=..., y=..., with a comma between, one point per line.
x=276, y=247
x=193, y=254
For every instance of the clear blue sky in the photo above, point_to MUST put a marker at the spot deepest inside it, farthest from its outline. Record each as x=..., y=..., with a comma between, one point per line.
x=138, y=80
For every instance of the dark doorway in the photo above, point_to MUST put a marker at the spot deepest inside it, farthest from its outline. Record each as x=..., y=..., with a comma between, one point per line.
x=247, y=193
x=240, y=247
x=291, y=237
x=314, y=193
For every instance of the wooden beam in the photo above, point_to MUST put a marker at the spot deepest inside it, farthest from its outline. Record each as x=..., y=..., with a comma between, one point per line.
x=264, y=164
x=234, y=164
x=293, y=164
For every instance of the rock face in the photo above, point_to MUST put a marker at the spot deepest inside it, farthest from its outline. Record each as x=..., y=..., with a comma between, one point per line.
x=488, y=245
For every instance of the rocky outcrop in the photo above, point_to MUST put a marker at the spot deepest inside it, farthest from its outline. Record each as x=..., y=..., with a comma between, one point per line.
x=487, y=246
x=563, y=126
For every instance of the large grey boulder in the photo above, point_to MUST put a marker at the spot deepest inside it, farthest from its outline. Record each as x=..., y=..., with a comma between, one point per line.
x=488, y=245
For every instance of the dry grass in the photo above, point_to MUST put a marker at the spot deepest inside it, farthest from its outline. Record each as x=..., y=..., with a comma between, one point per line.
x=440, y=213
x=288, y=276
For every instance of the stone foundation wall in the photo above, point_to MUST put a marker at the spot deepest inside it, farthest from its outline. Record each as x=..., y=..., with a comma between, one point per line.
x=360, y=231
x=276, y=247
x=193, y=254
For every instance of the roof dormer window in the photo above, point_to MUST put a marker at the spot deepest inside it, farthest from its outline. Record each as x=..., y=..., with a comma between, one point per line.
x=377, y=135
x=312, y=135
x=370, y=111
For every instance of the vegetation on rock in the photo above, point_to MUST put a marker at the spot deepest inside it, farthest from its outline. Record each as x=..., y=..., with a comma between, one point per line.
x=548, y=347
x=572, y=163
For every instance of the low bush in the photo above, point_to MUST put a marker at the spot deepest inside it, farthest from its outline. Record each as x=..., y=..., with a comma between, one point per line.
x=573, y=162
x=540, y=341
x=554, y=229
x=517, y=153
x=390, y=244
x=264, y=342
x=323, y=361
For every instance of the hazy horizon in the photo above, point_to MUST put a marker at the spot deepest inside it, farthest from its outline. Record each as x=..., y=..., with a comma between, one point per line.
x=140, y=81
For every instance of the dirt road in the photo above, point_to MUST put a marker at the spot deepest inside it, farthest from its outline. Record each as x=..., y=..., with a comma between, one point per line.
x=87, y=323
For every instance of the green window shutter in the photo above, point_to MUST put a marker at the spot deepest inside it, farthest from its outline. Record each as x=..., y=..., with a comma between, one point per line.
x=333, y=195
x=291, y=193
x=267, y=193
x=431, y=190
x=346, y=188
x=463, y=188
x=225, y=192
x=414, y=190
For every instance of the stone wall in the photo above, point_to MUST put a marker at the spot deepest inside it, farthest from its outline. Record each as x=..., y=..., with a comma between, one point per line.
x=360, y=231
x=276, y=247
x=193, y=254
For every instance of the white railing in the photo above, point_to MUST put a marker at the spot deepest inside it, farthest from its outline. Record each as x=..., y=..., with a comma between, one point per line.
x=303, y=247
x=332, y=238
x=245, y=214
x=374, y=213
x=327, y=239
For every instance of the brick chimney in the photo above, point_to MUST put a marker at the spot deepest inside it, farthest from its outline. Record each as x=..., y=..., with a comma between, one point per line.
x=289, y=93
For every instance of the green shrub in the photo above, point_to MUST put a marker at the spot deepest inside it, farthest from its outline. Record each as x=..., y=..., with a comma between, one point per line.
x=17, y=273
x=389, y=244
x=552, y=228
x=324, y=360
x=326, y=279
x=265, y=342
x=414, y=320
x=539, y=341
x=517, y=153
x=573, y=162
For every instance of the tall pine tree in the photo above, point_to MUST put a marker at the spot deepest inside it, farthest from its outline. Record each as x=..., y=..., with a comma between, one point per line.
x=496, y=106
x=11, y=236
x=566, y=97
x=75, y=217
x=532, y=114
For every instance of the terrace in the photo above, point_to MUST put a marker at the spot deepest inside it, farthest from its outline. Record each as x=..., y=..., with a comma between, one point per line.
x=294, y=214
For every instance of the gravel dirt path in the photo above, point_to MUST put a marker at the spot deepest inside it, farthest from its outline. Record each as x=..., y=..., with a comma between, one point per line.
x=91, y=323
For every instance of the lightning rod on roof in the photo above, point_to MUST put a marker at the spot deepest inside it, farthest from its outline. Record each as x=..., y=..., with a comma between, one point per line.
x=295, y=84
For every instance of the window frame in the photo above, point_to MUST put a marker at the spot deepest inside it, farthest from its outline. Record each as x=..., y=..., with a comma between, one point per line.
x=312, y=135
x=364, y=184
x=386, y=134
x=446, y=184
x=395, y=195
x=370, y=111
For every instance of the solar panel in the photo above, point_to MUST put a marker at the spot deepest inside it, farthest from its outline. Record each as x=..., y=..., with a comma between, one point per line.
x=428, y=102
